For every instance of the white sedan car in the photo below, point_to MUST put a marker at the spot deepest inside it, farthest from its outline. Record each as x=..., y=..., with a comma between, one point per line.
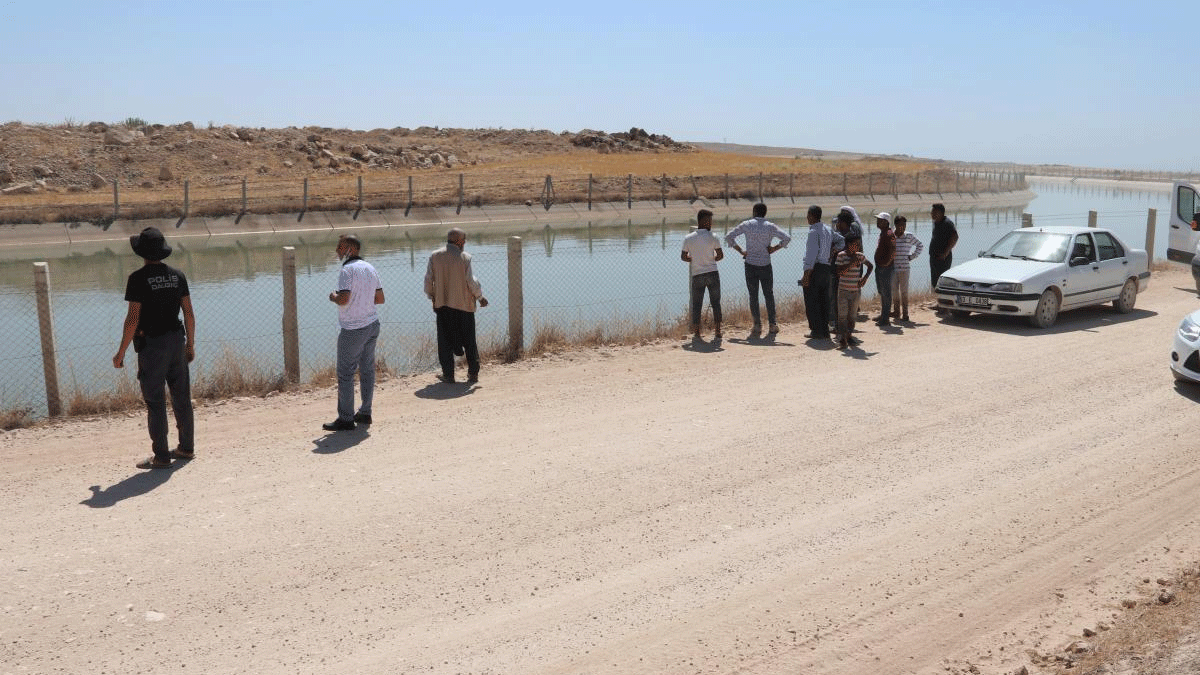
x=1185, y=353
x=1035, y=272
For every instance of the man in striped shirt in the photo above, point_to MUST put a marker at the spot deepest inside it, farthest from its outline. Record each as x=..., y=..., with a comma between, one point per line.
x=759, y=233
x=849, y=264
x=908, y=247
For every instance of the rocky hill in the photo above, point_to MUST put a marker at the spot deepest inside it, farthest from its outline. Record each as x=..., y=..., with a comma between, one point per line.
x=81, y=158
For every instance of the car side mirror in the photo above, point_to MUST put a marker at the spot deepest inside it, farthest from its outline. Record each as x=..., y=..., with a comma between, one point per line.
x=981, y=252
x=1079, y=260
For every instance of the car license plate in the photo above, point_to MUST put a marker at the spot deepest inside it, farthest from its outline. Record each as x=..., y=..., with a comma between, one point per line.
x=972, y=301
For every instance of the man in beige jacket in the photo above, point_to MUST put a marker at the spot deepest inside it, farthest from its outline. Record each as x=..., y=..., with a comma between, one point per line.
x=453, y=288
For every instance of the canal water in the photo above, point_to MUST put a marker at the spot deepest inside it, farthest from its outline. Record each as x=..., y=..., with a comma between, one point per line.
x=579, y=278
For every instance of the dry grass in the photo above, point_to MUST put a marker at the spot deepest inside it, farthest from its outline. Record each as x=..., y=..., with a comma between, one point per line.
x=1151, y=638
x=16, y=418
x=233, y=374
x=126, y=396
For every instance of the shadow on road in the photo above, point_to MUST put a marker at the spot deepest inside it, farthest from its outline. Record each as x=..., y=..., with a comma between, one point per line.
x=445, y=391
x=700, y=345
x=1188, y=390
x=1086, y=319
x=136, y=485
x=337, y=441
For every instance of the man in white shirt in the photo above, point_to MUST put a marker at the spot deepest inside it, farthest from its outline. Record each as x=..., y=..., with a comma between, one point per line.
x=702, y=250
x=358, y=291
x=759, y=233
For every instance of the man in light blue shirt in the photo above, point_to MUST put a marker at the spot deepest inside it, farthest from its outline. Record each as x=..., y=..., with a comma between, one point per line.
x=818, y=270
x=759, y=233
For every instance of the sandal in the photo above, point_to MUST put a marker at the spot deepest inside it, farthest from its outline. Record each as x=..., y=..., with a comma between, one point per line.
x=153, y=463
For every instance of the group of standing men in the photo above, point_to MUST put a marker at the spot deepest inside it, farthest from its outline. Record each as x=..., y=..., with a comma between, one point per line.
x=157, y=293
x=451, y=287
x=833, y=267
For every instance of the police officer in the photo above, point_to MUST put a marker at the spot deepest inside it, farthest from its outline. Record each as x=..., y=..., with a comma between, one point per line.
x=165, y=346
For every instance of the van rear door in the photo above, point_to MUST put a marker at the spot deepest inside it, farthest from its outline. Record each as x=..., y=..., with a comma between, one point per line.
x=1181, y=239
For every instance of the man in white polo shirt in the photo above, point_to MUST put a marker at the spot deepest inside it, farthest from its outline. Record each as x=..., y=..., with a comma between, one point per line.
x=702, y=250
x=358, y=291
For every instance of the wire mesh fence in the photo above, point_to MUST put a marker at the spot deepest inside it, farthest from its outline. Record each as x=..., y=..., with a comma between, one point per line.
x=593, y=282
x=237, y=195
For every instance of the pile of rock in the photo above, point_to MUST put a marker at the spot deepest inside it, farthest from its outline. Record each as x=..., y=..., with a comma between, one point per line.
x=635, y=140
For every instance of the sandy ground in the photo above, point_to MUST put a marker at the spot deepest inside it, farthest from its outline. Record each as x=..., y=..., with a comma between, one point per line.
x=954, y=495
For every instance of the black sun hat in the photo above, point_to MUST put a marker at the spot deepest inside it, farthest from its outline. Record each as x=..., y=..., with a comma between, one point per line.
x=150, y=244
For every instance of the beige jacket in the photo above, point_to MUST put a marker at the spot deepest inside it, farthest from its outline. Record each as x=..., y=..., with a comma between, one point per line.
x=449, y=281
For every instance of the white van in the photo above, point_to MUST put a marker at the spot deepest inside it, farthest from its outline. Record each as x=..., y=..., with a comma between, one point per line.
x=1182, y=239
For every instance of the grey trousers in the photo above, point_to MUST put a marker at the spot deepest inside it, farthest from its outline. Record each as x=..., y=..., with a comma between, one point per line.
x=163, y=366
x=356, y=351
x=711, y=281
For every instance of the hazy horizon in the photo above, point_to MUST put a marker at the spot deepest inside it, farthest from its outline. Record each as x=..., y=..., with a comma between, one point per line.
x=1069, y=83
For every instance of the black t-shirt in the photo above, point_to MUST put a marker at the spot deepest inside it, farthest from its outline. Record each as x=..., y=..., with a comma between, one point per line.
x=942, y=233
x=159, y=288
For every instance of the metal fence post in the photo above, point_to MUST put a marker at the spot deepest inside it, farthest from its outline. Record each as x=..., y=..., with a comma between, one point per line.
x=360, y=199
x=629, y=192
x=291, y=325
x=664, y=190
x=116, y=199
x=760, y=186
x=1151, y=220
x=516, y=299
x=41, y=282
x=589, y=192
x=410, y=197
x=917, y=187
x=243, y=194
x=186, y=198
x=726, y=189
x=304, y=201
x=1091, y=218
x=792, y=187
x=845, y=191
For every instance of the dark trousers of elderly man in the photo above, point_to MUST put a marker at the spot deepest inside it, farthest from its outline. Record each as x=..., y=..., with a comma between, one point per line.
x=455, y=332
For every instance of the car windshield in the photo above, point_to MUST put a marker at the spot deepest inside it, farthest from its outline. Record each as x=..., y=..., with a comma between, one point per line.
x=1031, y=245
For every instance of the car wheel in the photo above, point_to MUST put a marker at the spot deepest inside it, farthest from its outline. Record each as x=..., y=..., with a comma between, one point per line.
x=1125, y=301
x=960, y=313
x=1047, y=310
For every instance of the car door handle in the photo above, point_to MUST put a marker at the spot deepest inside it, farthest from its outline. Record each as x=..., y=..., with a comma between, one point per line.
x=1175, y=227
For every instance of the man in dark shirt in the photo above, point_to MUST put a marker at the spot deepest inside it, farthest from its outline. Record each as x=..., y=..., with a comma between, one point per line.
x=156, y=293
x=941, y=244
x=885, y=259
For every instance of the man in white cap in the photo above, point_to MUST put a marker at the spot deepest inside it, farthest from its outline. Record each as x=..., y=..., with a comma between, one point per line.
x=885, y=266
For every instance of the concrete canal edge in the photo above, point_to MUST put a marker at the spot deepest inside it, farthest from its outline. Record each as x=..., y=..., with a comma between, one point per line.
x=18, y=240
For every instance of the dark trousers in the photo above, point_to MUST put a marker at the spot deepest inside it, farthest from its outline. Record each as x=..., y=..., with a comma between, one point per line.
x=163, y=366
x=761, y=276
x=883, y=284
x=711, y=281
x=818, y=300
x=456, y=328
x=937, y=268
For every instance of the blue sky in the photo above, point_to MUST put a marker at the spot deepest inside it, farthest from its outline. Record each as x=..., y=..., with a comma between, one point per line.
x=1094, y=83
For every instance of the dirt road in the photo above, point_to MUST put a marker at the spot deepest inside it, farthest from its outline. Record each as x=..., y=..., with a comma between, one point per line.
x=957, y=493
